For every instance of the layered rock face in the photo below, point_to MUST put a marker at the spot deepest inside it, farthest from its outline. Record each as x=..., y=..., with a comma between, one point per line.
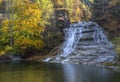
x=85, y=42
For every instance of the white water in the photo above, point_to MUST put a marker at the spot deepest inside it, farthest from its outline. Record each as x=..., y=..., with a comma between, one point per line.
x=85, y=42
x=72, y=37
x=74, y=34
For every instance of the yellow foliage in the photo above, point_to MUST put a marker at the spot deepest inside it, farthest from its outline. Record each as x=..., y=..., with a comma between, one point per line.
x=2, y=52
x=26, y=27
x=47, y=10
x=25, y=43
x=79, y=10
x=92, y=1
x=118, y=50
x=59, y=2
x=114, y=2
x=116, y=41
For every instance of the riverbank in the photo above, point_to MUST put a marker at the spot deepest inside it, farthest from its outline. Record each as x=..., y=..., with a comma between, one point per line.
x=38, y=58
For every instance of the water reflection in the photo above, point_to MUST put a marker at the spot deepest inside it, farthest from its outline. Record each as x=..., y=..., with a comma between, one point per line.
x=30, y=72
x=82, y=73
x=47, y=72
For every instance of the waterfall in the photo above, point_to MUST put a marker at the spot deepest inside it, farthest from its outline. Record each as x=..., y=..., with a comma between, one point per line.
x=85, y=42
x=72, y=37
x=75, y=33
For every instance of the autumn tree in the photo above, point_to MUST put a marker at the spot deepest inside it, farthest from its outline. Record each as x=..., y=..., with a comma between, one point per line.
x=114, y=2
x=47, y=10
x=26, y=29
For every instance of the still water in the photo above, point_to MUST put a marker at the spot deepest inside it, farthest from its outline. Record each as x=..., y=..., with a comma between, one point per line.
x=48, y=72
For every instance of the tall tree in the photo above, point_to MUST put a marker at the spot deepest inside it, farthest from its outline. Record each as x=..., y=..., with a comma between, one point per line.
x=26, y=28
x=47, y=10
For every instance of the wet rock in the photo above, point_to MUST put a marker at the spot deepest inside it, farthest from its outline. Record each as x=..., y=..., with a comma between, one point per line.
x=86, y=43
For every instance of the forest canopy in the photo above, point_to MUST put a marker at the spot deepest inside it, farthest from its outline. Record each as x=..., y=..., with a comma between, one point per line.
x=36, y=26
x=26, y=20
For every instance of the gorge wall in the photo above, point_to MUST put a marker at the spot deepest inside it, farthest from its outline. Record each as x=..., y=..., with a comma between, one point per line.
x=86, y=43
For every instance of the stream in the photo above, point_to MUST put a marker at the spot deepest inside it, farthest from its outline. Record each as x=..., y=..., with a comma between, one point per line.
x=53, y=72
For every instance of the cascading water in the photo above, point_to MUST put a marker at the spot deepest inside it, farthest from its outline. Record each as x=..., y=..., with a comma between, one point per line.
x=85, y=42
x=72, y=37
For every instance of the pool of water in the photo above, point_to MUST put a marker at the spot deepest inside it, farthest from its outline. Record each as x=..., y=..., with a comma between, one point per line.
x=51, y=72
